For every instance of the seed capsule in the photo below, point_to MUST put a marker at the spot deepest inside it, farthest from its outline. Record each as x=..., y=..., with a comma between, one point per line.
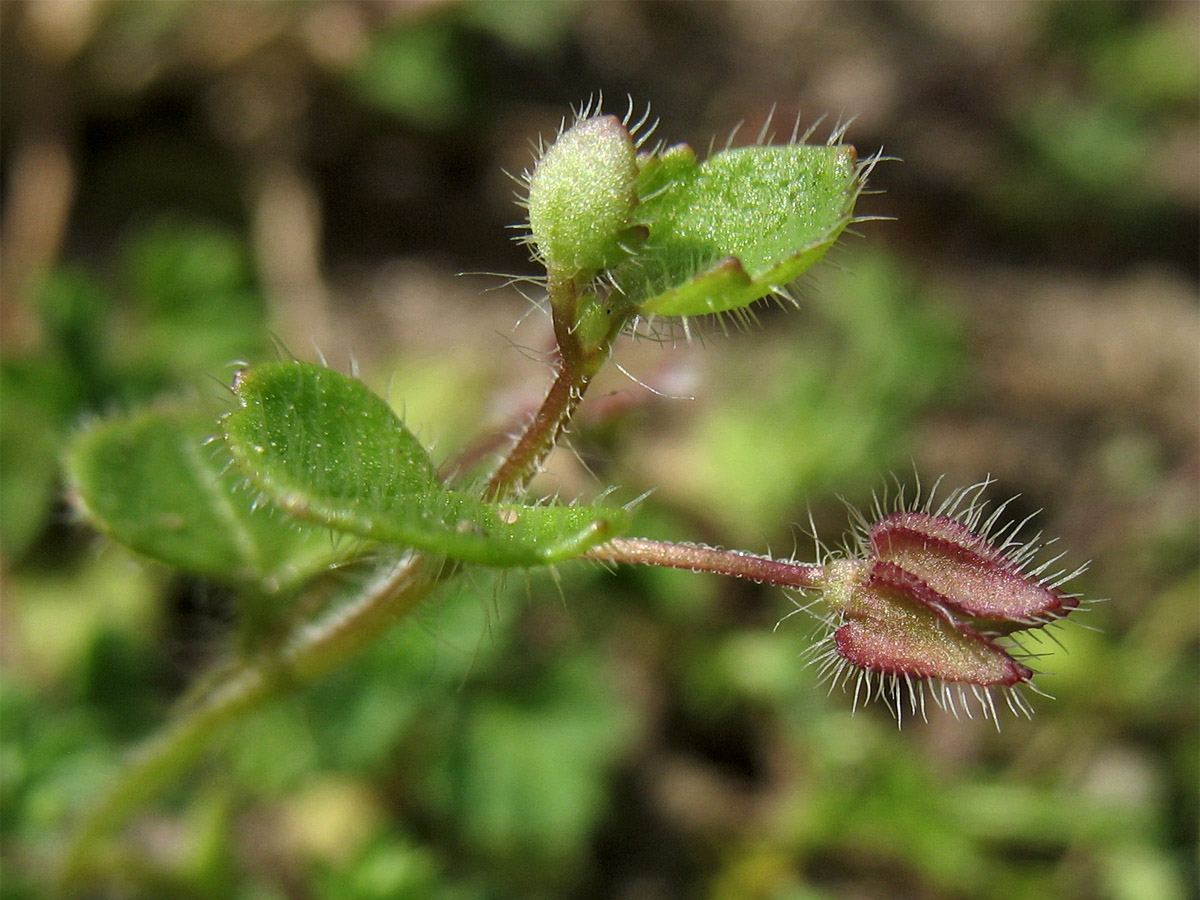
x=948, y=563
x=927, y=604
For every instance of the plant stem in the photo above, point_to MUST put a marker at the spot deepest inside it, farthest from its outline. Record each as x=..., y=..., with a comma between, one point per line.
x=311, y=652
x=315, y=648
x=734, y=563
x=577, y=365
x=540, y=435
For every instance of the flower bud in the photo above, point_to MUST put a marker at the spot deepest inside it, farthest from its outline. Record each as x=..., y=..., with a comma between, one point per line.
x=581, y=195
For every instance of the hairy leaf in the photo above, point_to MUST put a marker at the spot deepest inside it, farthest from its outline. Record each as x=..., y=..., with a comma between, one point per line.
x=155, y=481
x=739, y=226
x=323, y=447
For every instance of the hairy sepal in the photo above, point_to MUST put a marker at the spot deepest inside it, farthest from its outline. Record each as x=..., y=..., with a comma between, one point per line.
x=892, y=629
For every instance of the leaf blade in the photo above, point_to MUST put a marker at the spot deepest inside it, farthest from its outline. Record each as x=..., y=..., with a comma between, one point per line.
x=154, y=481
x=324, y=448
x=774, y=211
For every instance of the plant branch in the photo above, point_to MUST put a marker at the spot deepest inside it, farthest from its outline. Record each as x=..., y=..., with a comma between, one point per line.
x=541, y=434
x=733, y=563
x=577, y=365
x=313, y=650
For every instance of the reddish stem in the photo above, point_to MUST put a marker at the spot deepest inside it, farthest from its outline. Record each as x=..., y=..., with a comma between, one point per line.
x=734, y=563
x=576, y=368
x=542, y=433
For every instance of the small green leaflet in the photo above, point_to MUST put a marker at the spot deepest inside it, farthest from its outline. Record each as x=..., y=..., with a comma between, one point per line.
x=322, y=447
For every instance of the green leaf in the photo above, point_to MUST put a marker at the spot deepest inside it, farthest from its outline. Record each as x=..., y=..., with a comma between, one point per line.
x=323, y=447
x=156, y=482
x=741, y=225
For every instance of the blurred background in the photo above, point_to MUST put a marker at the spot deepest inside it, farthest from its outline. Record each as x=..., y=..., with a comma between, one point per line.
x=189, y=184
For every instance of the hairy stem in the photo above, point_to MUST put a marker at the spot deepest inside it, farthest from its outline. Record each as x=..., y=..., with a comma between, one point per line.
x=311, y=652
x=734, y=563
x=578, y=363
x=319, y=646
x=540, y=435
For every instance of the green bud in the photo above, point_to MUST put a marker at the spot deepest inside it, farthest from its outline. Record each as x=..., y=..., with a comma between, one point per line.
x=581, y=196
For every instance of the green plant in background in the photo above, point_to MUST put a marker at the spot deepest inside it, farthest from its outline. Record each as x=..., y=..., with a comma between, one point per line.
x=188, y=306
x=330, y=521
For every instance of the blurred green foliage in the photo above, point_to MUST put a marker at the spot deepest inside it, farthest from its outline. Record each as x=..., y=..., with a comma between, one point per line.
x=1090, y=136
x=823, y=409
x=595, y=732
x=412, y=72
x=415, y=67
x=181, y=306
